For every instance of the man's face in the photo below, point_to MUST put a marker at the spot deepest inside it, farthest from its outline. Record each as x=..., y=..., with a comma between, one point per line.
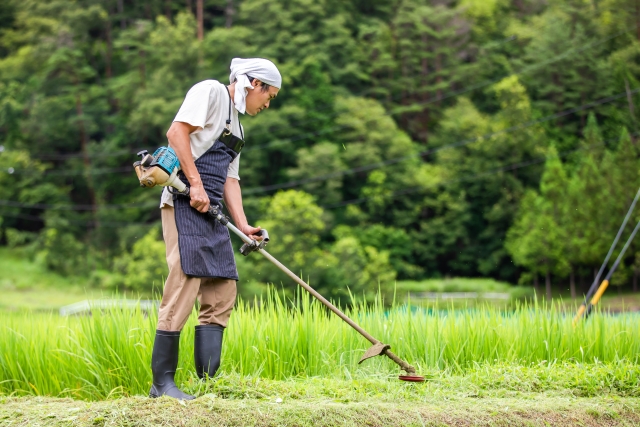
x=257, y=99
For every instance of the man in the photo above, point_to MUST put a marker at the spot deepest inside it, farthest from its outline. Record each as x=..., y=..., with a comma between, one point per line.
x=206, y=135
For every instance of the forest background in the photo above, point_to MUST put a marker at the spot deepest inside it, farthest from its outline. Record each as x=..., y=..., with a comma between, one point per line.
x=410, y=140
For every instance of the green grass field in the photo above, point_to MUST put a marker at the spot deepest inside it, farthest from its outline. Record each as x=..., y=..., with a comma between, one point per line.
x=107, y=354
x=25, y=284
x=297, y=367
x=28, y=285
x=288, y=364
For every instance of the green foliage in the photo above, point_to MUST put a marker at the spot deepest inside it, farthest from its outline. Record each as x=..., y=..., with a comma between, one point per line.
x=562, y=227
x=62, y=252
x=491, y=199
x=322, y=159
x=348, y=265
x=412, y=135
x=418, y=50
x=16, y=238
x=294, y=223
x=360, y=268
x=144, y=268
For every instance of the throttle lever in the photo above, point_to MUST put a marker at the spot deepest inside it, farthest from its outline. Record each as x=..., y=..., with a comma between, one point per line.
x=247, y=248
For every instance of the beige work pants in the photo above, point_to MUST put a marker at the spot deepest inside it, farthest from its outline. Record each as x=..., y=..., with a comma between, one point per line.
x=216, y=296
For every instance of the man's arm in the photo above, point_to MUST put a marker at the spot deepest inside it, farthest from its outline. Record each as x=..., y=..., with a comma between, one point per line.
x=178, y=136
x=232, y=196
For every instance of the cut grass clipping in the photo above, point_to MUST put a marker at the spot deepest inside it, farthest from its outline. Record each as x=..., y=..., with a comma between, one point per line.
x=209, y=410
x=530, y=348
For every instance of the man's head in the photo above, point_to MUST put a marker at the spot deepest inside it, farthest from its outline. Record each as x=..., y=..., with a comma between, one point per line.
x=260, y=96
x=257, y=82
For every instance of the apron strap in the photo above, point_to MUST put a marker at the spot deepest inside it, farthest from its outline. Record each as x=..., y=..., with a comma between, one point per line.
x=229, y=119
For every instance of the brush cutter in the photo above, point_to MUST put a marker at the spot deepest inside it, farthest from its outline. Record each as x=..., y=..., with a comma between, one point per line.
x=162, y=167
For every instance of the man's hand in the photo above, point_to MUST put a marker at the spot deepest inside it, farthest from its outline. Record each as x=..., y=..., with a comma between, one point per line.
x=199, y=198
x=179, y=140
x=251, y=232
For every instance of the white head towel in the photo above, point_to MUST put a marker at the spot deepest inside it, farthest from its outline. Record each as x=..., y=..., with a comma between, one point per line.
x=258, y=68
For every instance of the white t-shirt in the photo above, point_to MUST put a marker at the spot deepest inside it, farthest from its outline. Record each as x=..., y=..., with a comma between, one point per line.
x=207, y=107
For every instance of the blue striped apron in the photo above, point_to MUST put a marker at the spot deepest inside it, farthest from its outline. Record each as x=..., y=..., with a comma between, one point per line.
x=205, y=245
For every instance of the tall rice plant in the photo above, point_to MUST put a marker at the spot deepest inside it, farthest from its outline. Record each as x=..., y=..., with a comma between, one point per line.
x=108, y=353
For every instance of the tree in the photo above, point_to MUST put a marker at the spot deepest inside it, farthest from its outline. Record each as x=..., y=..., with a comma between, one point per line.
x=587, y=197
x=562, y=65
x=478, y=170
x=622, y=184
x=554, y=189
x=144, y=269
x=295, y=224
x=417, y=60
x=539, y=239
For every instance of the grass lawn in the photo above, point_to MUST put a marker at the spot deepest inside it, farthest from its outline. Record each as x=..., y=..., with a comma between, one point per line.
x=236, y=401
x=27, y=285
x=212, y=411
x=42, y=299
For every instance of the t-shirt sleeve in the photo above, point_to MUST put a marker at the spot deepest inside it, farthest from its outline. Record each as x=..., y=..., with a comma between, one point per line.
x=195, y=105
x=234, y=167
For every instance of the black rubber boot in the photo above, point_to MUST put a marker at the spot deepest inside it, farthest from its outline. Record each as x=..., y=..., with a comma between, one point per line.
x=207, y=349
x=164, y=361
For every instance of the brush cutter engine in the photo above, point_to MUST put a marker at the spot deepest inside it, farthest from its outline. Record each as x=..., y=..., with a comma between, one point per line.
x=160, y=168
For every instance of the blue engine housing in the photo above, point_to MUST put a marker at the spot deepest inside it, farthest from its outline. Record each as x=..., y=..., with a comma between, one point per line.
x=166, y=158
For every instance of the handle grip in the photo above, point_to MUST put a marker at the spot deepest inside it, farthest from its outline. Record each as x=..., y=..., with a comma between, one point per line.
x=253, y=245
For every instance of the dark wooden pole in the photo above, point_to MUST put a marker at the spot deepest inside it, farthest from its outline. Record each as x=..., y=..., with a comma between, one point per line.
x=200, y=18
